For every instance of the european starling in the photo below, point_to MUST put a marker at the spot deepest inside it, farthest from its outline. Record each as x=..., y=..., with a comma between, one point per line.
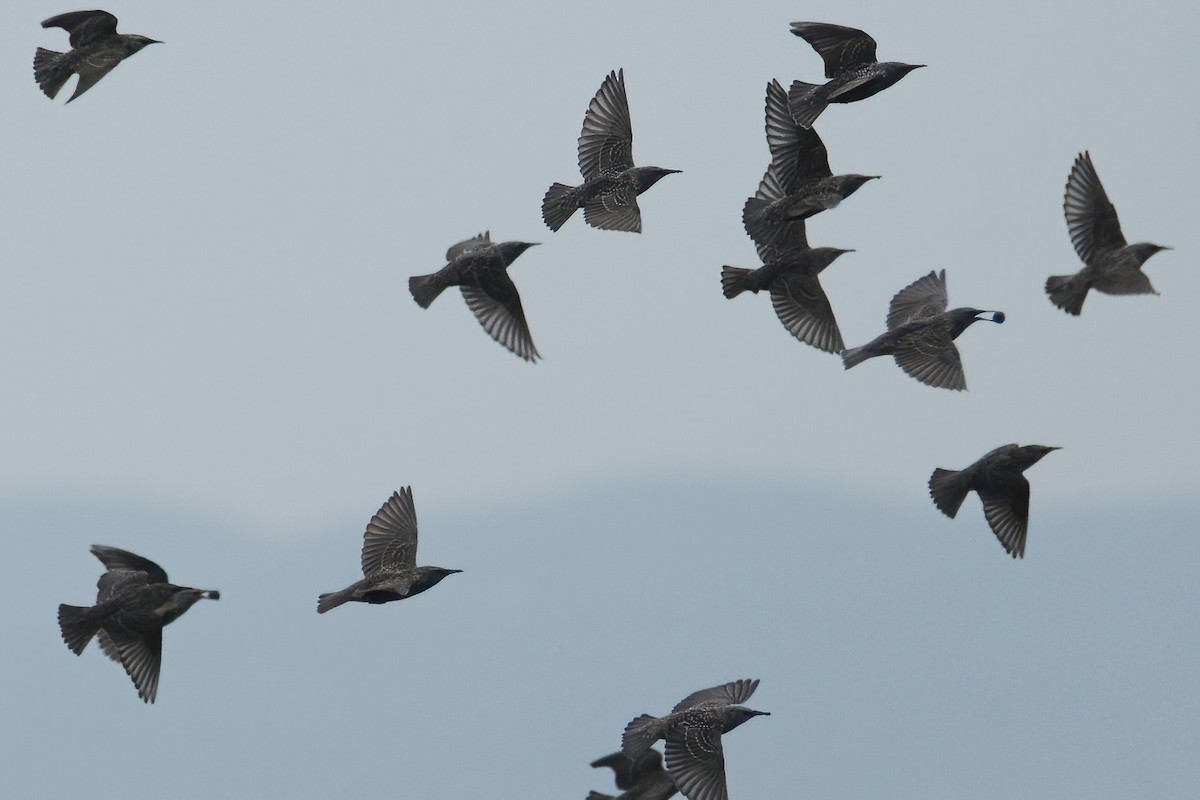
x=479, y=267
x=791, y=275
x=850, y=65
x=611, y=183
x=642, y=778
x=96, y=48
x=389, y=559
x=798, y=182
x=921, y=334
x=693, y=731
x=1001, y=486
x=1110, y=265
x=135, y=601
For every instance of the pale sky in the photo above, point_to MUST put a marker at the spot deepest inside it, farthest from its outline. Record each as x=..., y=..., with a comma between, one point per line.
x=209, y=356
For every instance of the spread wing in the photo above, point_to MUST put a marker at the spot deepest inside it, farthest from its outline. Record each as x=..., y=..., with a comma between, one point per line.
x=731, y=693
x=117, y=559
x=115, y=581
x=802, y=307
x=85, y=27
x=497, y=306
x=140, y=655
x=390, y=540
x=467, y=245
x=771, y=231
x=1006, y=506
x=923, y=298
x=615, y=209
x=841, y=48
x=696, y=761
x=929, y=355
x=797, y=153
x=629, y=772
x=1091, y=218
x=606, y=142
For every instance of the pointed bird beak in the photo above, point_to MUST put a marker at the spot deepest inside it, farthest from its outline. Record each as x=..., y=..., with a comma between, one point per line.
x=212, y=594
x=996, y=316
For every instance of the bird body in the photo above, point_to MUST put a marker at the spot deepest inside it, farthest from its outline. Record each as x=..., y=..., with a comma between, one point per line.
x=921, y=334
x=850, y=65
x=641, y=778
x=1003, y=489
x=96, y=49
x=611, y=181
x=798, y=183
x=479, y=267
x=134, y=603
x=389, y=559
x=1110, y=265
x=694, y=756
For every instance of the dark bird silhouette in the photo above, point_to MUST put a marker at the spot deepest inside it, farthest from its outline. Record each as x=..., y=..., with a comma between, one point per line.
x=791, y=275
x=611, y=183
x=850, y=65
x=1002, y=488
x=389, y=559
x=479, y=267
x=96, y=49
x=134, y=602
x=1110, y=265
x=693, y=729
x=641, y=778
x=921, y=334
x=798, y=183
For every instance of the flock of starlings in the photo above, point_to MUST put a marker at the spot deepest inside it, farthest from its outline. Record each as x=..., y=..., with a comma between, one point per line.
x=135, y=599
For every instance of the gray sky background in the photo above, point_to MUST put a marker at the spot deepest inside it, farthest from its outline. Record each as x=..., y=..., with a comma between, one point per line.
x=208, y=355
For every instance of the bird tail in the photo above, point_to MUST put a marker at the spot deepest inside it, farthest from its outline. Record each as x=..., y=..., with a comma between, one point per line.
x=806, y=102
x=49, y=71
x=560, y=202
x=425, y=288
x=948, y=489
x=853, y=356
x=333, y=599
x=734, y=281
x=640, y=735
x=78, y=627
x=1067, y=292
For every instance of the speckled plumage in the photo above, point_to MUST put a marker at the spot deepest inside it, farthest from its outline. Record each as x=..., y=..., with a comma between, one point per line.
x=96, y=49
x=389, y=559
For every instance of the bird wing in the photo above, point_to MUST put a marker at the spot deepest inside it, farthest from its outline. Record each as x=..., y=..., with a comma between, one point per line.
x=730, y=693
x=629, y=772
x=614, y=210
x=497, y=306
x=1006, y=507
x=1091, y=218
x=696, y=761
x=140, y=655
x=802, y=307
x=1129, y=279
x=797, y=153
x=85, y=27
x=839, y=47
x=606, y=141
x=771, y=236
x=115, y=581
x=929, y=355
x=923, y=298
x=390, y=540
x=467, y=245
x=117, y=559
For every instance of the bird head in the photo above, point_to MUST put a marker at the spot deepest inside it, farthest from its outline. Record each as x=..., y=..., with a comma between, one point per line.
x=183, y=598
x=904, y=69
x=510, y=250
x=822, y=257
x=733, y=716
x=1143, y=250
x=963, y=318
x=852, y=183
x=1033, y=453
x=134, y=42
x=645, y=177
x=431, y=576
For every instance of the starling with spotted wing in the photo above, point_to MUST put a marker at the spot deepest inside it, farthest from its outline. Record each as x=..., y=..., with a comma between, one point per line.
x=134, y=602
x=921, y=334
x=790, y=273
x=798, y=183
x=96, y=49
x=850, y=65
x=641, y=778
x=693, y=729
x=611, y=182
x=389, y=559
x=1002, y=488
x=479, y=267
x=1110, y=265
